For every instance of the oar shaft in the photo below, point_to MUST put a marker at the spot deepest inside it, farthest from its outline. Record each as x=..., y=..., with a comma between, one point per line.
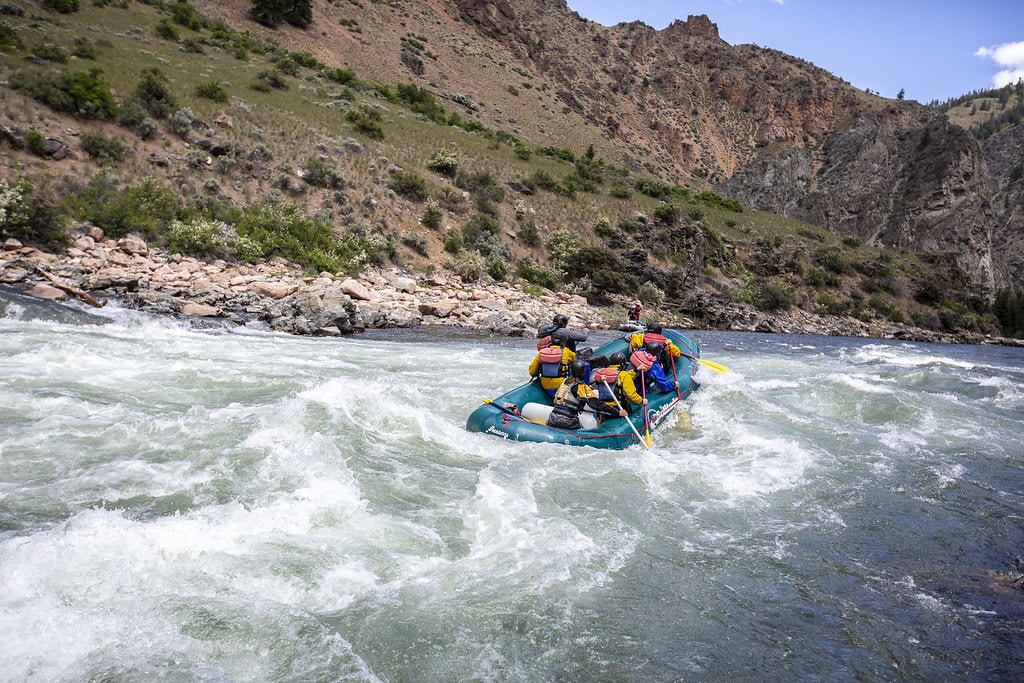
x=619, y=406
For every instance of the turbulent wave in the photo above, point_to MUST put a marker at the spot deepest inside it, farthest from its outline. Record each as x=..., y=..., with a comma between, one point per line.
x=250, y=506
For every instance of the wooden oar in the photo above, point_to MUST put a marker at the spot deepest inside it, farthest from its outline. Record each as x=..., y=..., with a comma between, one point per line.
x=619, y=405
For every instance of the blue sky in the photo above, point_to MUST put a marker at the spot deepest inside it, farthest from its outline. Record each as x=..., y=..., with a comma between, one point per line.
x=934, y=50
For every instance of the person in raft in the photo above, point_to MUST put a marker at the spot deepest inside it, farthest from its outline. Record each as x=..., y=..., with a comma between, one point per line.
x=573, y=396
x=622, y=379
x=551, y=364
x=634, y=312
x=639, y=340
x=653, y=374
x=561, y=333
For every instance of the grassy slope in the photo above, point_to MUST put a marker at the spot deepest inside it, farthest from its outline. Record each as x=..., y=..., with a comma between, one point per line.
x=305, y=120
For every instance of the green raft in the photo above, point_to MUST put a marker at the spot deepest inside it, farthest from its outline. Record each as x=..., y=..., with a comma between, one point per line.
x=503, y=416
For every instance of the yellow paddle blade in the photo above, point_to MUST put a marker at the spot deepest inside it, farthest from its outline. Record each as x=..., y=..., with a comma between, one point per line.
x=648, y=440
x=717, y=367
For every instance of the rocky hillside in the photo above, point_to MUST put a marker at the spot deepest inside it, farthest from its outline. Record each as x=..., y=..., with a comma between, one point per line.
x=765, y=128
x=768, y=129
x=693, y=117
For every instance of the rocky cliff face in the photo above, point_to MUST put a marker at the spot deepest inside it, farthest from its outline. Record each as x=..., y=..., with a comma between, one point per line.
x=768, y=129
x=1004, y=155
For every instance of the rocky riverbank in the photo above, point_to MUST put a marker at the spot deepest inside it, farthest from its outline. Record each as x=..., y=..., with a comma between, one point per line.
x=278, y=295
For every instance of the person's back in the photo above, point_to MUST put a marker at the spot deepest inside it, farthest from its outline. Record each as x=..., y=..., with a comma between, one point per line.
x=550, y=365
x=616, y=383
x=573, y=396
x=650, y=372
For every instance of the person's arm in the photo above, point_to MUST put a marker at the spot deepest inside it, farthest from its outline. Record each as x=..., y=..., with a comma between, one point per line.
x=657, y=373
x=629, y=388
x=535, y=366
x=589, y=396
x=566, y=335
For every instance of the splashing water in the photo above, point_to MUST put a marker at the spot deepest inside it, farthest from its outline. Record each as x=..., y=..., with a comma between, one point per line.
x=251, y=506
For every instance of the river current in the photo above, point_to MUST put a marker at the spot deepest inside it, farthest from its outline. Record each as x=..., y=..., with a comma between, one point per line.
x=184, y=505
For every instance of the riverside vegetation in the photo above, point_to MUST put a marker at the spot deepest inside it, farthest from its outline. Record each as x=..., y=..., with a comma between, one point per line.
x=215, y=144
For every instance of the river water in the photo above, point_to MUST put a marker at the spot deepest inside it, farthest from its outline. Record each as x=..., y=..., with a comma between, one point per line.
x=244, y=506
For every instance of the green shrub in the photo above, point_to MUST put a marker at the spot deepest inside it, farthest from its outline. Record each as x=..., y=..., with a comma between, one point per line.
x=497, y=267
x=197, y=237
x=653, y=188
x=832, y=261
x=432, y=215
x=51, y=53
x=81, y=94
x=667, y=213
x=153, y=93
x=145, y=208
x=409, y=185
x=281, y=230
x=15, y=205
x=621, y=191
x=35, y=142
x=166, y=30
x=542, y=180
x=267, y=80
x=603, y=227
x=212, y=90
x=416, y=242
x=562, y=246
x=104, y=149
x=470, y=266
x=538, y=275
x=134, y=115
x=186, y=15
x=366, y=120
x=32, y=214
x=529, y=235
x=453, y=241
x=61, y=6
x=319, y=174
x=9, y=37
x=444, y=162
x=717, y=200
x=558, y=153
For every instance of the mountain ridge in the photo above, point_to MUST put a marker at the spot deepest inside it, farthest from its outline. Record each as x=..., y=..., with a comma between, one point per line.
x=708, y=114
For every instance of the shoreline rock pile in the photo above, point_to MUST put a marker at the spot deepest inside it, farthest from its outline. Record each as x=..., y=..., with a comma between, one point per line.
x=279, y=295
x=275, y=292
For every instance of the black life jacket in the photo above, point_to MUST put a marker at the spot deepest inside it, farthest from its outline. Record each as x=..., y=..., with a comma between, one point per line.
x=566, y=401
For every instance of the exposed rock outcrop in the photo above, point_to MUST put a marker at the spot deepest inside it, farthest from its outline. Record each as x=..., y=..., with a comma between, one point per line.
x=765, y=128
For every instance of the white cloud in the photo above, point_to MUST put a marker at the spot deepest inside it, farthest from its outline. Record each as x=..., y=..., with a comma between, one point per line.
x=1008, y=55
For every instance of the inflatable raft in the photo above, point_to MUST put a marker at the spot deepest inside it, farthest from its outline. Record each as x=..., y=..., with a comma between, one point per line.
x=520, y=413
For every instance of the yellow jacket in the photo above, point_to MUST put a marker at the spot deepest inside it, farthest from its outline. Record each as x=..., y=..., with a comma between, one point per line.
x=552, y=383
x=636, y=342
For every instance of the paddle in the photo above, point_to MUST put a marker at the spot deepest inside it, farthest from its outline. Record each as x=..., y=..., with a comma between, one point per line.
x=503, y=409
x=647, y=422
x=619, y=406
x=710, y=364
x=675, y=379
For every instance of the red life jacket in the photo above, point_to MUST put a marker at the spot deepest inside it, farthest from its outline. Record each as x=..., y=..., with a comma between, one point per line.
x=551, y=362
x=655, y=337
x=603, y=376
